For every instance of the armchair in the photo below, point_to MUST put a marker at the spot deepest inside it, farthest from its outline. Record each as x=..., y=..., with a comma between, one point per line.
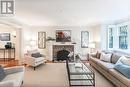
x=34, y=60
x=14, y=77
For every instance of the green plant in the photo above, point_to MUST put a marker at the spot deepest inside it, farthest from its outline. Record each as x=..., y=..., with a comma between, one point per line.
x=50, y=39
x=77, y=56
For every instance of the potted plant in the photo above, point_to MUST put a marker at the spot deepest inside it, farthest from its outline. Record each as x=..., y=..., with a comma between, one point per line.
x=77, y=57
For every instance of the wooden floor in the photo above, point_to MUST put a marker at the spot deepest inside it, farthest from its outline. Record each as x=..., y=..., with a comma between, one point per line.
x=9, y=63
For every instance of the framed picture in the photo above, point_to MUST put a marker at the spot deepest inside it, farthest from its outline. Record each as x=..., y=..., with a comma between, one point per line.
x=63, y=36
x=41, y=40
x=84, y=39
x=4, y=36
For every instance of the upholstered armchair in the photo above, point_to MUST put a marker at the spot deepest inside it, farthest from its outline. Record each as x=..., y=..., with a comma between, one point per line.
x=34, y=58
x=13, y=77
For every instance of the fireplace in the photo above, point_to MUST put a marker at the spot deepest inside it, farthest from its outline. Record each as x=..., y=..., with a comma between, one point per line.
x=62, y=52
x=62, y=55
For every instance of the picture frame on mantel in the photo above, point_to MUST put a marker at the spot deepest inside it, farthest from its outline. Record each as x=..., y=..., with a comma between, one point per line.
x=63, y=36
x=41, y=40
x=84, y=39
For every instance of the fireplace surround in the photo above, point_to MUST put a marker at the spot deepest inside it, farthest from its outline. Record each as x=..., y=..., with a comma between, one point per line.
x=60, y=49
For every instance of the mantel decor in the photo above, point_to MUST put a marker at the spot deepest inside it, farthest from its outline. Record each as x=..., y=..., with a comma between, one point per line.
x=50, y=39
x=63, y=35
x=41, y=40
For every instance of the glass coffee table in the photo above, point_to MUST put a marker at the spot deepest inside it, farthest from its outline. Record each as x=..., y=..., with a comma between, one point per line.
x=80, y=74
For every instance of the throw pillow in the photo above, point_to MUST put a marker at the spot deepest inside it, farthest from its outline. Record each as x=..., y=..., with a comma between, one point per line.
x=123, y=69
x=126, y=61
x=98, y=54
x=2, y=73
x=36, y=55
x=106, y=57
x=120, y=60
x=115, y=58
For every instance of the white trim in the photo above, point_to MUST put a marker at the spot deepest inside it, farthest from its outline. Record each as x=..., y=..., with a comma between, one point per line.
x=110, y=26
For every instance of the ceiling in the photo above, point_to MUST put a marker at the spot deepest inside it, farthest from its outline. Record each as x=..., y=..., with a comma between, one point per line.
x=70, y=12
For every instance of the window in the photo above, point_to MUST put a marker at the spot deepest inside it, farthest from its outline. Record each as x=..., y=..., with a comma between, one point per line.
x=123, y=36
x=110, y=37
x=117, y=36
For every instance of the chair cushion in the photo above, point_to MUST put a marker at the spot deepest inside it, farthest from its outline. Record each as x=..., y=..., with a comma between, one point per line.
x=2, y=73
x=39, y=59
x=120, y=77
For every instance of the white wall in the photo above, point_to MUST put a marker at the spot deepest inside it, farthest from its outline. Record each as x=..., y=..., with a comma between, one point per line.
x=32, y=33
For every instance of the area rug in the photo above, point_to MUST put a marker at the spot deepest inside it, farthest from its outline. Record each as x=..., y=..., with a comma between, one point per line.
x=55, y=75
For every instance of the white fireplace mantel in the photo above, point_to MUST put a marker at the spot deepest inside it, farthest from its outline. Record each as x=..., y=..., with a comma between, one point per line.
x=50, y=48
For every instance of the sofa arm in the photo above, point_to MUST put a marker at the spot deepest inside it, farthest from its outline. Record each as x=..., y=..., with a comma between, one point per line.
x=11, y=70
x=9, y=83
x=93, y=55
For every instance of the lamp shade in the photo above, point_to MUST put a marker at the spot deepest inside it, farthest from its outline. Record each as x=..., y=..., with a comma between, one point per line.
x=32, y=43
x=92, y=45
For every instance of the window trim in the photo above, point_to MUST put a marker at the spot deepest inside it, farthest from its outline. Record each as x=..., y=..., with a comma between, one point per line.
x=113, y=27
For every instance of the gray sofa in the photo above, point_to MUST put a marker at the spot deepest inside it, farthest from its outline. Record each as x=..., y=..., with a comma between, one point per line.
x=14, y=77
x=107, y=69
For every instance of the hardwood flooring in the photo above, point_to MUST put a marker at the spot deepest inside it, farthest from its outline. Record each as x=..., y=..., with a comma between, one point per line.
x=9, y=63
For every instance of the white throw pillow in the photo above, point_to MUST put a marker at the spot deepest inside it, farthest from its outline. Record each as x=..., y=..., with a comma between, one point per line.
x=105, y=57
x=119, y=60
x=125, y=60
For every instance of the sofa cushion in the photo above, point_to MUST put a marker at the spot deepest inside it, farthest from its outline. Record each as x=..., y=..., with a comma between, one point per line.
x=2, y=73
x=105, y=65
x=39, y=59
x=115, y=58
x=95, y=60
x=120, y=77
x=106, y=57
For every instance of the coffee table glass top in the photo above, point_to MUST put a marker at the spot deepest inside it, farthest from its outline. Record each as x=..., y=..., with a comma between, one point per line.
x=80, y=74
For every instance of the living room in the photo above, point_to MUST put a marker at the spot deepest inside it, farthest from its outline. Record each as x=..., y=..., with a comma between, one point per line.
x=40, y=37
